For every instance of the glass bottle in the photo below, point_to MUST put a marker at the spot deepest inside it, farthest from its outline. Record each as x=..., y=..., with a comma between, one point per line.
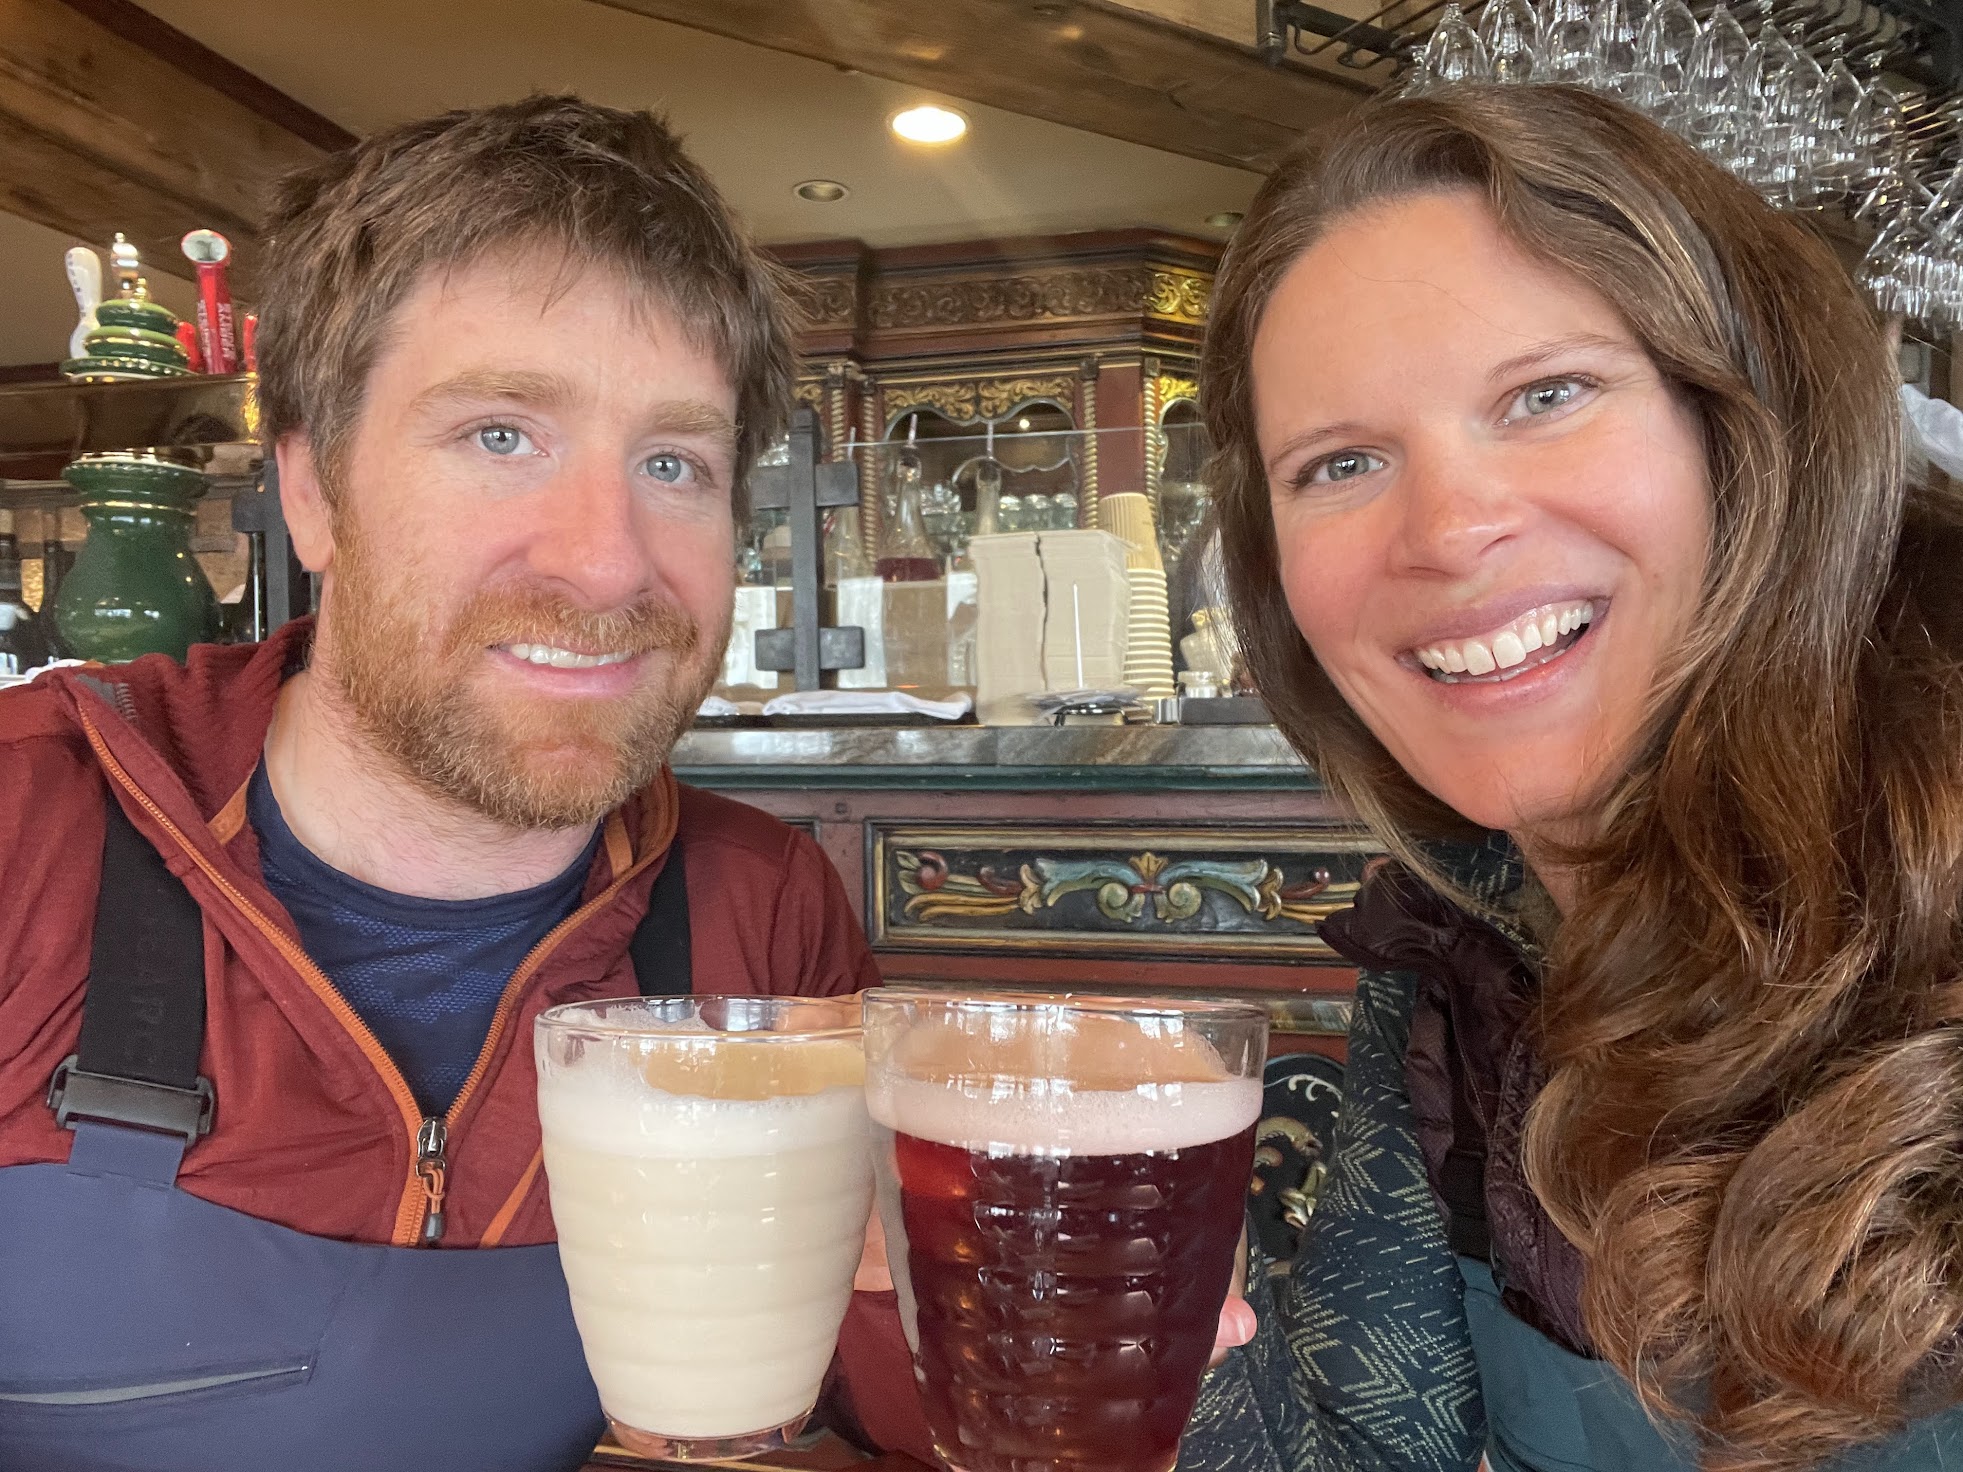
x=988, y=496
x=905, y=554
x=913, y=605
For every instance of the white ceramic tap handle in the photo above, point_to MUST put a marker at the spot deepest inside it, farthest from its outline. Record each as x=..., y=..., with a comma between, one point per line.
x=85, y=280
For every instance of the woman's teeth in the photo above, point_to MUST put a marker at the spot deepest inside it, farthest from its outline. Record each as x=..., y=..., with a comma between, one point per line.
x=561, y=659
x=1550, y=632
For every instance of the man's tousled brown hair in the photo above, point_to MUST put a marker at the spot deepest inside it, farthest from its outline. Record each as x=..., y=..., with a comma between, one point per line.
x=1752, y=1020
x=349, y=237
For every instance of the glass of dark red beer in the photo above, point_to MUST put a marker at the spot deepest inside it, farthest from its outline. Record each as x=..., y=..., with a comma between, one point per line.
x=1062, y=1182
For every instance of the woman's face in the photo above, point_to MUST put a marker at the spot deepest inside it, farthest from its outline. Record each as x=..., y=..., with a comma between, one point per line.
x=1493, y=516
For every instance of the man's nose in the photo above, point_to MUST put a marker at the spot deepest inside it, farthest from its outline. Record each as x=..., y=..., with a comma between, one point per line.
x=1456, y=507
x=590, y=537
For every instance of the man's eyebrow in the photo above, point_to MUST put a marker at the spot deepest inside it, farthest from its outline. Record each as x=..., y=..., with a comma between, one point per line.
x=692, y=416
x=513, y=385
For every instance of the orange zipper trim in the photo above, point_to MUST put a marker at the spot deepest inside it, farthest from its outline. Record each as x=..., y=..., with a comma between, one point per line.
x=526, y=969
x=507, y=1213
x=420, y=1196
x=409, y=1214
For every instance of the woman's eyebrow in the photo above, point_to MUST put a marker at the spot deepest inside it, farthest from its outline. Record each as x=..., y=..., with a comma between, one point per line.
x=1539, y=357
x=1301, y=440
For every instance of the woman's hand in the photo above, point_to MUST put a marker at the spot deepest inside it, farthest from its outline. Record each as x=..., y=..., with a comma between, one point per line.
x=873, y=1275
x=1236, y=1327
x=1237, y=1322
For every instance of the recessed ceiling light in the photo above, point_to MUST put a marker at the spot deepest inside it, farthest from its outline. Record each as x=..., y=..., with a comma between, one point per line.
x=820, y=191
x=1225, y=220
x=928, y=123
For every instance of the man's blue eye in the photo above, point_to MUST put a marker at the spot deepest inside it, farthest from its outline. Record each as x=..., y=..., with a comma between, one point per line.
x=668, y=468
x=501, y=439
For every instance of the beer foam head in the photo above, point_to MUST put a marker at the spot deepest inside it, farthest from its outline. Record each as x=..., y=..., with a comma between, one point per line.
x=615, y=1108
x=710, y=1066
x=689, y=1090
x=1085, y=1049
x=1097, y=1084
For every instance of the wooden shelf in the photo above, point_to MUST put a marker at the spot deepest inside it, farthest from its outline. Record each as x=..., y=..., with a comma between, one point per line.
x=45, y=425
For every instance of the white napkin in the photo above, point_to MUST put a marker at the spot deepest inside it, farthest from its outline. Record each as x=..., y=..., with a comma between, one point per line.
x=714, y=708
x=866, y=702
x=1936, y=428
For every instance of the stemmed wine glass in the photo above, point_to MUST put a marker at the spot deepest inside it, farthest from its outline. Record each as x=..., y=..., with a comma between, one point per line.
x=1764, y=93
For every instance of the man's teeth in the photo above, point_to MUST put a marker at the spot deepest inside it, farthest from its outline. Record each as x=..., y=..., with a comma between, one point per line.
x=1506, y=647
x=561, y=659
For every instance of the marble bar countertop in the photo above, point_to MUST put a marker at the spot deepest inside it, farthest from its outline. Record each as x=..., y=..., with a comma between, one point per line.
x=1093, y=757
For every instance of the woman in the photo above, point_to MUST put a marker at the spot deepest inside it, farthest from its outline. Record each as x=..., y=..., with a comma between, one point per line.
x=1562, y=500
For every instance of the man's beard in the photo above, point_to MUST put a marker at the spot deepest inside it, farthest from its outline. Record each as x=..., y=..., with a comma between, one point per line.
x=526, y=761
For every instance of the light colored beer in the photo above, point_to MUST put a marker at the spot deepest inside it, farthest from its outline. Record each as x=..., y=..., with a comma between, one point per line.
x=711, y=1207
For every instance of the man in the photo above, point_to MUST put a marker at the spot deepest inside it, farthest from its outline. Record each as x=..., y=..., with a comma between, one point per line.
x=277, y=923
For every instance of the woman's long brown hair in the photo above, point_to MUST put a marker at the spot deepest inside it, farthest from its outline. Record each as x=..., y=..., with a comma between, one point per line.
x=1753, y=1016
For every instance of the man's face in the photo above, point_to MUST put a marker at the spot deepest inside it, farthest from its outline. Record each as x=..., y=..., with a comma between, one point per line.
x=530, y=562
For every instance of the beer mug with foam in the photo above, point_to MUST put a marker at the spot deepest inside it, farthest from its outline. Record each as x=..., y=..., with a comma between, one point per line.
x=711, y=1181
x=1062, y=1181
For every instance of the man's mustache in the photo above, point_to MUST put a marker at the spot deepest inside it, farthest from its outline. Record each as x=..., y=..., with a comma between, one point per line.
x=538, y=617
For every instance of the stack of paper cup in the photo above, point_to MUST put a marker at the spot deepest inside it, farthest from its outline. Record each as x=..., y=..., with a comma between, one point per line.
x=1148, y=646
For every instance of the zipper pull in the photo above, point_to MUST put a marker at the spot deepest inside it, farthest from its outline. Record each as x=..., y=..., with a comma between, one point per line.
x=433, y=1165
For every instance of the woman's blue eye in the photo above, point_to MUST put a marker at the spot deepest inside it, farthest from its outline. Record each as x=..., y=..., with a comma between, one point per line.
x=1543, y=398
x=502, y=439
x=1345, y=465
x=669, y=468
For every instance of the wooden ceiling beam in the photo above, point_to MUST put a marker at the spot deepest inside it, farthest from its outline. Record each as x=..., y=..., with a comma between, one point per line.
x=101, y=133
x=1140, y=72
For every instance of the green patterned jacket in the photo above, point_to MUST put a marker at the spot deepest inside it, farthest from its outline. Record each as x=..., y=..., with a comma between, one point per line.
x=1362, y=1362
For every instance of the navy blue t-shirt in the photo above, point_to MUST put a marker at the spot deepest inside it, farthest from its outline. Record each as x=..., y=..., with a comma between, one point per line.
x=425, y=975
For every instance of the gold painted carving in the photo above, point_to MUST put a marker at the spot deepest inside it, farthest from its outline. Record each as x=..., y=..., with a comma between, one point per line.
x=1169, y=388
x=956, y=401
x=970, y=401
x=1179, y=296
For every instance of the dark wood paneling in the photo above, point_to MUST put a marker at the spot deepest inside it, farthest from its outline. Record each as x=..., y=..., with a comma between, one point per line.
x=199, y=62
x=1102, y=68
x=99, y=134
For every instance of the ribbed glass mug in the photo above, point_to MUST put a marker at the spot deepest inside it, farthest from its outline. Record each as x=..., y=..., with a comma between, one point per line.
x=711, y=1184
x=1062, y=1181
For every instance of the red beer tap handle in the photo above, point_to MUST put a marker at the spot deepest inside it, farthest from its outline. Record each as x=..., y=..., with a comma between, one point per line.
x=187, y=335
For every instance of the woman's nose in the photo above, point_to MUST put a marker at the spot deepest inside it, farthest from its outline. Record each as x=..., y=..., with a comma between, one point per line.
x=1455, y=510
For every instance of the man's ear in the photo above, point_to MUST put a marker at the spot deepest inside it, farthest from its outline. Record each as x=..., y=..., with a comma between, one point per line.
x=303, y=503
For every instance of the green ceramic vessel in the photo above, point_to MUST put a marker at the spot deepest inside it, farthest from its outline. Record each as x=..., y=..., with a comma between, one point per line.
x=133, y=338
x=135, y=589
x=137, y=312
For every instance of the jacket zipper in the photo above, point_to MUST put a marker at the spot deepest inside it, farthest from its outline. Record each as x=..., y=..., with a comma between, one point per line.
x=533, y=959
x=420, y=1216
x=433, y=1168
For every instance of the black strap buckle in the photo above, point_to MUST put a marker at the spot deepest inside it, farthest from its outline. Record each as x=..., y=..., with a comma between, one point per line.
x=74, y=1093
